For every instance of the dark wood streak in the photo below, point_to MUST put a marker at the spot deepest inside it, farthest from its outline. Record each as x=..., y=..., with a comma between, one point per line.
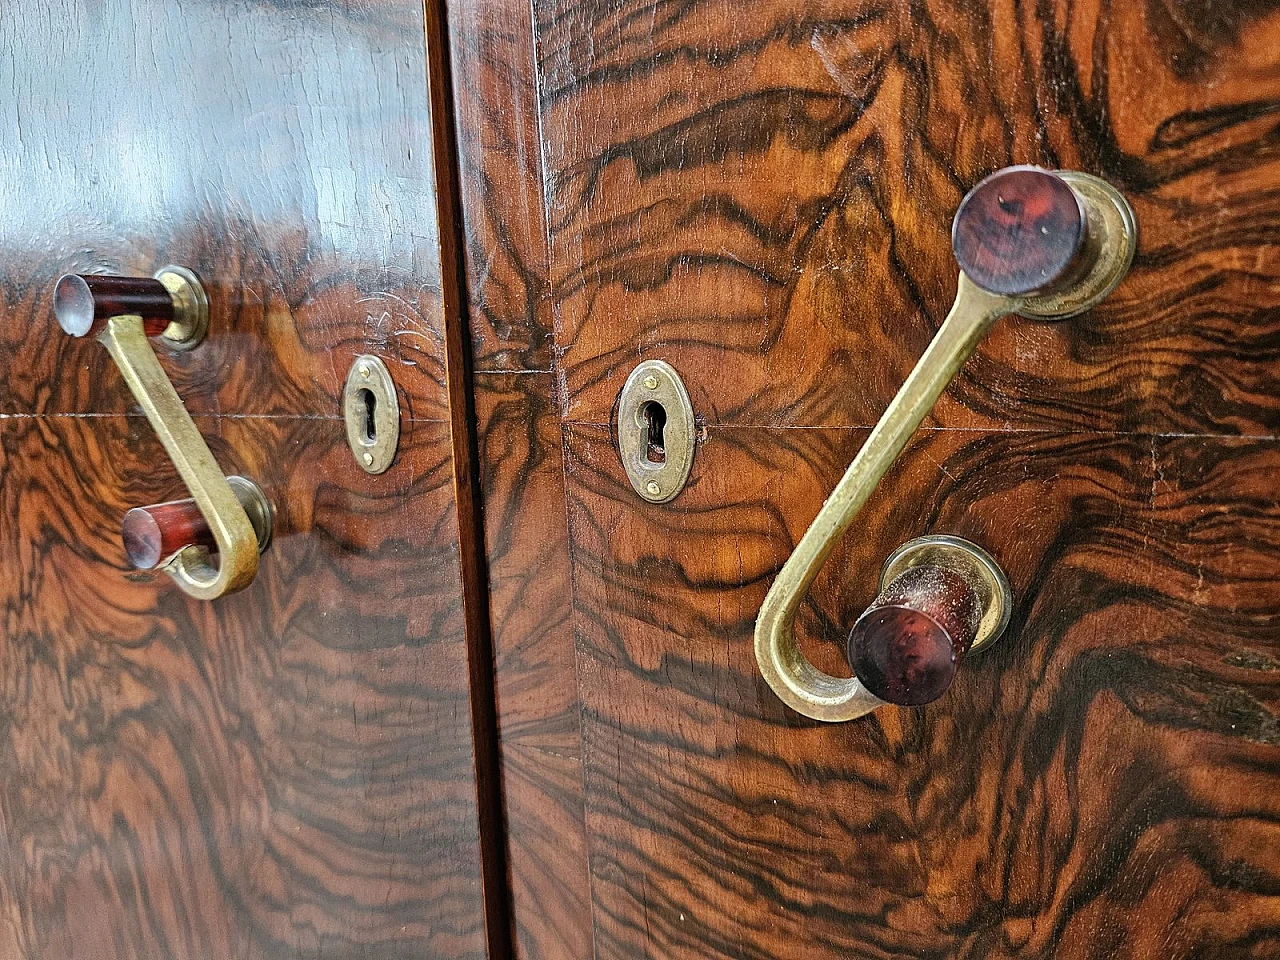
x=468, y=499
x=773, y=206
x=537, y=681
x=499, y=156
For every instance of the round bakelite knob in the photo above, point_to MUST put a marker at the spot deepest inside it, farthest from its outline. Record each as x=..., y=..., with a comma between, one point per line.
x=906, y=647
x=154, y=534
x=1021, y=232
x=83, y=303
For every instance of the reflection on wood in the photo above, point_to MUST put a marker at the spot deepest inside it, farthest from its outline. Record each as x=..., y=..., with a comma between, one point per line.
x=288, y=772
x=285, y=770
x=281, y=153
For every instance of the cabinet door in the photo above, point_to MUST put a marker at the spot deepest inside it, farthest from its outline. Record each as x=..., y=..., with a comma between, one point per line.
x=287, y=771
x=761, y=195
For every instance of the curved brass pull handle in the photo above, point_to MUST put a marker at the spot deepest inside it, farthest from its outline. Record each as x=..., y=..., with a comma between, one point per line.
x=1043, y=244
x=121, y=312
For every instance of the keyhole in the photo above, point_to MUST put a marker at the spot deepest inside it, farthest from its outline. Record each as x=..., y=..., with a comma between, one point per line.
x=370, y=423
x=654, y=416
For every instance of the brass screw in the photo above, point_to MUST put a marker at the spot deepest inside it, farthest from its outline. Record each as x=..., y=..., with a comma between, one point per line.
x=364, y=372
x=368, y=459
x=651, y=382
x=653, y=488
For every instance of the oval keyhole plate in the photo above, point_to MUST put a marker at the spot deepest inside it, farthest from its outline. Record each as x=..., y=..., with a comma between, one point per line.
x=372, y=413
x=655, y=431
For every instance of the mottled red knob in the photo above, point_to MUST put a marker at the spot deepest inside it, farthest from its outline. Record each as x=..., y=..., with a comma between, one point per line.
x=1021, y=231
x=906, y=647
x=83, y=303
x=154, y=534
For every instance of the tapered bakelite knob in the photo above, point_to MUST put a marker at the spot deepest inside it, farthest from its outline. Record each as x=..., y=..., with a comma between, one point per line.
x=83, y=303
x=908, y=644
x=1021, y=232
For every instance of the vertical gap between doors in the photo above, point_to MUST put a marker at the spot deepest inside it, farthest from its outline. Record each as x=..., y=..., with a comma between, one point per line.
x=495, y=874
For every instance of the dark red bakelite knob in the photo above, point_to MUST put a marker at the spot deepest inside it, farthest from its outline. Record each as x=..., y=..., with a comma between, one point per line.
x=1020, y=232
x=906, y=647
x=154, y=534
x=83, y=303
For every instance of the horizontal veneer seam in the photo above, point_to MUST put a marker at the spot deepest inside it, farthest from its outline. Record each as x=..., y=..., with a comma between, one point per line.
x=202, y=416
x=987, y=431
x=517, y=745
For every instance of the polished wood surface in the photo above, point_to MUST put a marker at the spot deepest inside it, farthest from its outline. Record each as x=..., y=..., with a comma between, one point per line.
x=536, y=676
x=468, y=498
x=764, y=199
x=285, y=158
x=247, y=778
x=1100, y=783
x=288, y=772
x=521, y=476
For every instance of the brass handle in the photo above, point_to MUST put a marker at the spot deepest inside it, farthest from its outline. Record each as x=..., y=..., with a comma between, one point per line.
x=121, y=312
x=1047, y=245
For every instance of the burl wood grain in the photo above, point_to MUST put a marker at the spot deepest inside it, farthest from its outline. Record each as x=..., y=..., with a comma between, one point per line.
x=284, y=156
x=763, y=198
x=1101, y=783
x=535, y=671
x=288, y=772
